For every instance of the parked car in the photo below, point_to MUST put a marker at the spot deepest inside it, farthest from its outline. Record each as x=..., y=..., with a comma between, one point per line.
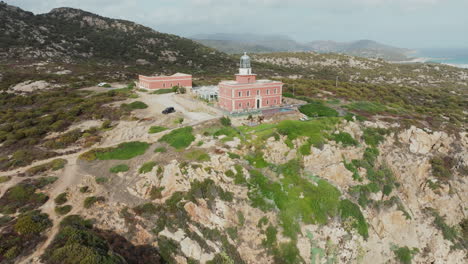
x=168, y=110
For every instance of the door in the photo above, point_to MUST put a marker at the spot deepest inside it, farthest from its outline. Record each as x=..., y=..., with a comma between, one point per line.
x=258, y=103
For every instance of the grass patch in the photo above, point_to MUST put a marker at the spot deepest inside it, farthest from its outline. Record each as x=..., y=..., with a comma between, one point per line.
x=156, y=129
x=256, y=159
x=147, y=167
x=119, y=168
x=198, y=155
x=145, y=209
x=233, y=155
x=179, y=138
x=404, y=254
x=63, y=210
x=317, y=109
x=23, y=197
x=162, y=91
x=123, y=151
x=441, y=168
x=374, y=136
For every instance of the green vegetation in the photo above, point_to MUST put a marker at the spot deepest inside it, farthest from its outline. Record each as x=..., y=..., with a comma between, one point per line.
x=374, y=136
x=179, y=138
x=344, y=138
x=54, y=165
x=225, y=121
x=90, y=201
x=156, y=129
x=63, y=210
x=256, y=159
x=84, y=189
x=101, y=180
x=317, y=109
x=162, y=91
x=209, y=191
x=64, y=140
x=404, y=254
x=123, y=151
x=160, y=150
x=370, y=107
x=119, y=168
x=21, y=236
x=147, y=167
x=145, y=209
x=23, y=197
x=4, y=179
x=441, y=168
x=133, y=106
x=449, y=233
x=233, y=155
x=198, y=155
x=350, y=210
x=61, y=198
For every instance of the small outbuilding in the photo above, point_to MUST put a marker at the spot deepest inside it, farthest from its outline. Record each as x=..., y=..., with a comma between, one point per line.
x=165, y=82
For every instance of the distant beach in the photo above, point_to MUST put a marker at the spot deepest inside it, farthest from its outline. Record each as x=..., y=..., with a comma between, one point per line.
x=453, y=57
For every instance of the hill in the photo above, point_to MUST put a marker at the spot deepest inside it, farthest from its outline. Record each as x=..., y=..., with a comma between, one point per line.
x=67, y=34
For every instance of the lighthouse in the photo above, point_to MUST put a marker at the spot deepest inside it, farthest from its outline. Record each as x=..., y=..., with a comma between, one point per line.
x=247, y=93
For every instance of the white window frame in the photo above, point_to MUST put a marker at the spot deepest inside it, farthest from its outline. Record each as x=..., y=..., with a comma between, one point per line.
x=258, y=92
x=248, y=93
x=268, y=91
x=239, y=94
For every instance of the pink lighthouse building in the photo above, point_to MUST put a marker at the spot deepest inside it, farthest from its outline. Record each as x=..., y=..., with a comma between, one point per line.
x=247, y=93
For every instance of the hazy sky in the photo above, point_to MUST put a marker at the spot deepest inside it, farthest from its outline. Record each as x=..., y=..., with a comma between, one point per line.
x=404, y=23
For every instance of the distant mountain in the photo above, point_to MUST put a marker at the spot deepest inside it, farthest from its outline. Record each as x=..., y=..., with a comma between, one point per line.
x=237, y=43
x=68, y=34
x=361, y=48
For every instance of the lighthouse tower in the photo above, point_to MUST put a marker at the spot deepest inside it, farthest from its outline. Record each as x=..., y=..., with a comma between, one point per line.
x=245, y=71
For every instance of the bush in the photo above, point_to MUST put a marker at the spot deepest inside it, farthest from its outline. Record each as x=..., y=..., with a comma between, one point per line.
x=84, y=189
x=134, y=105
x=147, y=167
x=198, y=155
x=54, y=165
x=156, y=129
x=179, y=138
x=225, y=121
x=61, y=198
x=404, y=254
x=344, y=138
x=32, y=223
x=101, y=180
x=4, y=179
x=90, y=201
x=160, y=150
x=146, y=209
x=119, y=168
x=441, y=168
x=63, y=210
x=349, y=210
x=374, y=136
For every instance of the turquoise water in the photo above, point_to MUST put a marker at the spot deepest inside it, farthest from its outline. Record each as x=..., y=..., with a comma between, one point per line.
x=455, y=57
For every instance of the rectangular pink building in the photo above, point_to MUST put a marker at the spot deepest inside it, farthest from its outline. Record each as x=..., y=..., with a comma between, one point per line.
x=247, y=93
x=165, y=82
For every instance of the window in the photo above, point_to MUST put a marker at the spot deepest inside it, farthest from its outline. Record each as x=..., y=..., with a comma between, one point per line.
x=248, y=104
x=240, y=105
x=164, y=85
x=274, y=91
x=240, y=94
x=258, y=92
x=178, y=84
x=275, y=101
x=248, y=93
x=268, y=102
x=268, y=91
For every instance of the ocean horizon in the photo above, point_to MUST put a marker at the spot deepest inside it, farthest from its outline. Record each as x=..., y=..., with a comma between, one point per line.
x=457, y=57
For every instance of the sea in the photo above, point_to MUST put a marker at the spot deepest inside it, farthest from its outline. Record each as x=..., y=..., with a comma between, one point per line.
x=457, y=57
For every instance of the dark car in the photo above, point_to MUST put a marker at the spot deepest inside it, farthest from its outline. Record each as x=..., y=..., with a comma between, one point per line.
x=168, y=110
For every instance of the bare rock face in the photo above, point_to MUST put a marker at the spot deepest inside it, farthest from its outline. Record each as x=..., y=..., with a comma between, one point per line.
x=278, y=152
x=31, y=86
x=422, y=142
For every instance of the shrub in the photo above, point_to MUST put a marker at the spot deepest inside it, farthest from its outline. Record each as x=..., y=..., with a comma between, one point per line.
x=32, y=223
x=54, y=165
x=147, y=167
x=61, y=198
x=101, y=180
x=348, y=210
x=317, y=109
x=225, y=121
x=156, y=129
x=160, y=150
x=370, y=107
x=134, y=105
x=374, y=136
x=233, y=155
x=256, y=159
x=441, y=168
x=84, y=189
x=90, y=201
x=119, y=168
x=22, y=196
x=179, y=138
x=146, y=209
x=404, y=254
x=63, y=210
x=198, y=155
x=344, y=138
x=4, y=179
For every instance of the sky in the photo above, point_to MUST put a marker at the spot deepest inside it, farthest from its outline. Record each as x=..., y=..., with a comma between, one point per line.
x=403, y=23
